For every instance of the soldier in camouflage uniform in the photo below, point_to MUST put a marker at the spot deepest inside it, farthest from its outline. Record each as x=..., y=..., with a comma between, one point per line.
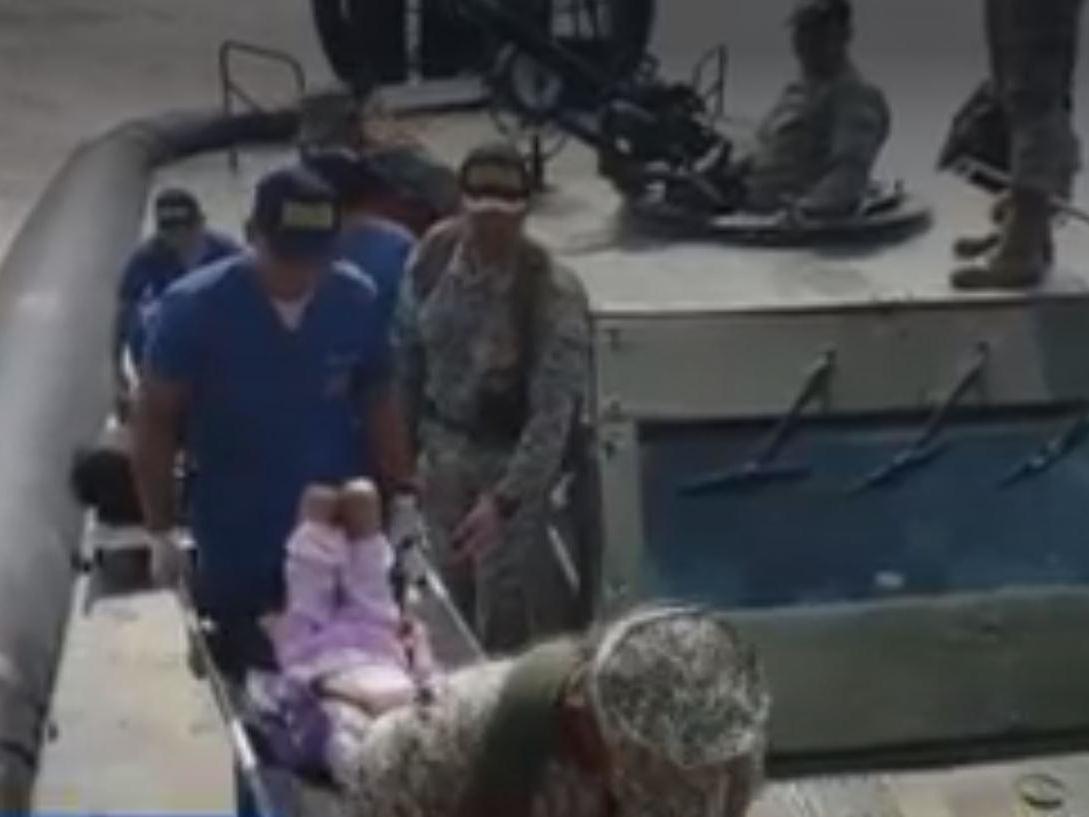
x=493, y=341
x=816, y=148
x=1033, y=50
x=662, y=714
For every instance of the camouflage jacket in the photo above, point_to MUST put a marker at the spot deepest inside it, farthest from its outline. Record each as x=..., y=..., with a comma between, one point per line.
x=417, y=761
x=462, y=340
x=818, y=145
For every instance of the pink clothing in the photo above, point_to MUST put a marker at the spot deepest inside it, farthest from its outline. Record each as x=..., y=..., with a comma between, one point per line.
x=341, y=614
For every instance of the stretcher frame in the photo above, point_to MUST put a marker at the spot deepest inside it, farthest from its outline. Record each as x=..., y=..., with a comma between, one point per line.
x=281, y=792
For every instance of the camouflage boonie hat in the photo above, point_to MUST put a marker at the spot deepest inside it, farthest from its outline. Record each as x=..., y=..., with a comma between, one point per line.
x=683, y=705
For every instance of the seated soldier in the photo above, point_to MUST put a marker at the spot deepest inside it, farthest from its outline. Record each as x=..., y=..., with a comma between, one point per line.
x=375, y=243
x=816, y=148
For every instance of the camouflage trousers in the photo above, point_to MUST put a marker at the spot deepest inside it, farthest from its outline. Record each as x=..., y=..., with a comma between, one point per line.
x=1033, y=48
x=513, y=593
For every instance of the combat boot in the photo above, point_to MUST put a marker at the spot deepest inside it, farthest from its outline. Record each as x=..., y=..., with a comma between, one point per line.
x=971, y=247
x=1024, y=250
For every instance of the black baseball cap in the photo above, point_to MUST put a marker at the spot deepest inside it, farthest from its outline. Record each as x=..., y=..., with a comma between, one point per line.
x=819, y=12
x=297, y=213
x=495, y=177
x=176, y=208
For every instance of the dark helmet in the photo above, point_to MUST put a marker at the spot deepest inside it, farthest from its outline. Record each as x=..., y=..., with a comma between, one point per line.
x=809, y=12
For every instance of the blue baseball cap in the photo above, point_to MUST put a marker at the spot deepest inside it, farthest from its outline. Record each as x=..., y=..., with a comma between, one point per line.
x=297, y=213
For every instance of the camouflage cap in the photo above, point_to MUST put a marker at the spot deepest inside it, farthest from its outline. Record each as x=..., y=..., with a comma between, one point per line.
x=681, y=701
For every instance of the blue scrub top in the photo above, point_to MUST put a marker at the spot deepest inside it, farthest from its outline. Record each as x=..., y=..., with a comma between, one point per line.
x=155, y=266
x=151, y=270
x=272, y=410
x=380, y=250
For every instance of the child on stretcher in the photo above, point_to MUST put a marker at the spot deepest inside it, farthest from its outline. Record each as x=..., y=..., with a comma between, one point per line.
x=342, y=632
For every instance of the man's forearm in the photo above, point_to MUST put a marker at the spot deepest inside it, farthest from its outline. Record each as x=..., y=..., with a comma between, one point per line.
x=121, y=322
x=154, y=457
x=409, y=396
x=394, y=463
x=535, y=464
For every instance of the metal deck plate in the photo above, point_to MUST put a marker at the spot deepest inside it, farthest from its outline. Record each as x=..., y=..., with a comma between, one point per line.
x=136, y=733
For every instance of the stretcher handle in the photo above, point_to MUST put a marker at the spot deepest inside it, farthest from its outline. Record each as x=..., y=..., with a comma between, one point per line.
x=241, y=745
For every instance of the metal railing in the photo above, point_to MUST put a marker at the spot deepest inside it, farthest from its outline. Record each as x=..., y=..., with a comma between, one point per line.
x=232, y=91
x=709, y=79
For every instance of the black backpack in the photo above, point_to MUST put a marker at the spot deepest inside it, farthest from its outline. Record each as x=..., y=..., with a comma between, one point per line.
x=980, y=131
x=101, y=479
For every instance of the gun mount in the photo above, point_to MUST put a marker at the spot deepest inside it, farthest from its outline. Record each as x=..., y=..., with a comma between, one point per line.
x=581, y=68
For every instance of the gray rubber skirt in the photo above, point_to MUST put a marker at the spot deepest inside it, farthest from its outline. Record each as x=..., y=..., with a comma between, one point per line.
x=57, y=293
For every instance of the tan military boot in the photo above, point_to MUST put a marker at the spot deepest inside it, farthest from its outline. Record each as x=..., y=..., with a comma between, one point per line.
x=971, y=247
x=1024, y=252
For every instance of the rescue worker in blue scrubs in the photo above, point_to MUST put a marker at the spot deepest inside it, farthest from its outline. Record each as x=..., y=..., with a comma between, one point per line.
x=271, y=369
x=376, y=244
x=181, y=243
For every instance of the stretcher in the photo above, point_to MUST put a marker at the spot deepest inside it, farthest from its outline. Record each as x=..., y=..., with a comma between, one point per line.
x=271, y=788
x=275, y=791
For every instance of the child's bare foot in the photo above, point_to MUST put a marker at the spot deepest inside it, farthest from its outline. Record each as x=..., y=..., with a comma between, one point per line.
x=320, y=504
x=360, y=509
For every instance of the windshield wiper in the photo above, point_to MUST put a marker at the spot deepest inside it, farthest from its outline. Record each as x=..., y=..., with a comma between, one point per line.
x=1051, y=452
x=925, y=448
x=761, y=467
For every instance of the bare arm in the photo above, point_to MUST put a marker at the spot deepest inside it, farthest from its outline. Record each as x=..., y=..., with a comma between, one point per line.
x=389, y=440
x=125, y=310
x=160, y=411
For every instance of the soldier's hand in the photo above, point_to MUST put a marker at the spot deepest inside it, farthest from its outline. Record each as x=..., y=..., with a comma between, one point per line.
x=405, y=524
x=480, y=531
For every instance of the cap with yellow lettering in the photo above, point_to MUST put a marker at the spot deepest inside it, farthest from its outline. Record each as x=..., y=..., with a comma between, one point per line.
x=295, y=211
